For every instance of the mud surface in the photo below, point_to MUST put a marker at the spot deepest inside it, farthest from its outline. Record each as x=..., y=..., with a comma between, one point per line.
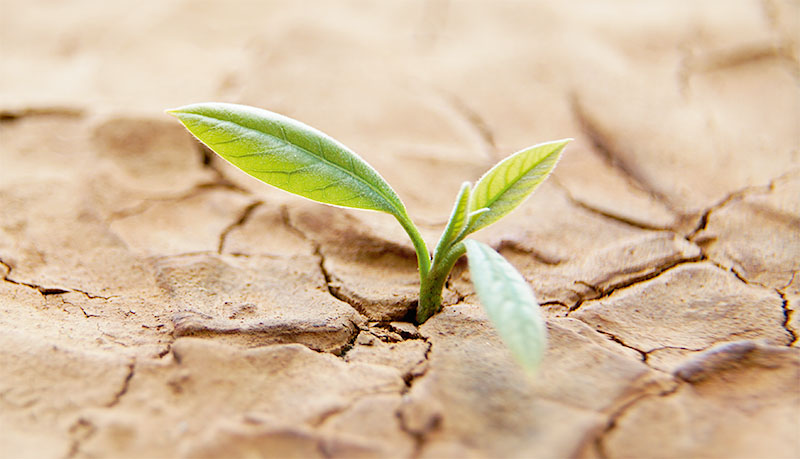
x=157, y=303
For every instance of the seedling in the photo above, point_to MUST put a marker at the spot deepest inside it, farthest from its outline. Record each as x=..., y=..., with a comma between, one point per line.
x=299, y=159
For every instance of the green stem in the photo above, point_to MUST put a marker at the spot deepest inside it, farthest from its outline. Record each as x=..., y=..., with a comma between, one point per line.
x=430, y=289
x=423, y=256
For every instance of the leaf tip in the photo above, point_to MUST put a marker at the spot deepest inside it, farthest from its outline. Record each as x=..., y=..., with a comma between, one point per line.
x=563, y=142
x=186, y=109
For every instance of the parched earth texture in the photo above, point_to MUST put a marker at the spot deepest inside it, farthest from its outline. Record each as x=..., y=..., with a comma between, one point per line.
x=155, y=302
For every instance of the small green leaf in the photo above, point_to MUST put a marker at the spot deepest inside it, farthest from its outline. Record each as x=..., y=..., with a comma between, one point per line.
x=458, y=219
x=289, y=155
x=509, y=303
x=509, y=182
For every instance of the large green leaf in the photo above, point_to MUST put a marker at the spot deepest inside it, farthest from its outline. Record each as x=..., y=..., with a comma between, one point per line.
x=289, y=155
x=509, y=303
x=509, y=182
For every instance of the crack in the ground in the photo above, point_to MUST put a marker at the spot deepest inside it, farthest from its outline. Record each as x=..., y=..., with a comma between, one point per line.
x=7, y=116
x=604, y=292
x=616, y=339
x=678, y=378
x=615, y=416
x=734, y=196
x=475, y=121
x=80, y=431
x=789, y=282
x=787, y=318
x=781, y=48
x=85, y=314
x=44, y=290
x=109, y=336
x=751, y=53
x=287, y=221
x=554, y=303
x=451, y=286
x=350, y=344
x=146, y=203
x=732, y=270
x=207, y=161
x=645, y=354
x=391, y=332
x=514, y=245
x=418, y=436
x=696, y=238
x=604, y=213
x=420, y=370
x=327, y=415
x=613, y=158
x=327, y=278
x=125, y=385
x=331, y=283
x=245, y=215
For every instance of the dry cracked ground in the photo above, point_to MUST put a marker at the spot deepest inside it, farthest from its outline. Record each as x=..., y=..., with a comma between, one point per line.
x=157, y=303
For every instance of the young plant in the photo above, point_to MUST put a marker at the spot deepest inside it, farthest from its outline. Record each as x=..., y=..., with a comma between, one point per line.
x=302, y=160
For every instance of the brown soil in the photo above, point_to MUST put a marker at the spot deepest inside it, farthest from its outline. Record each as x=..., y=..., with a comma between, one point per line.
x=157, y=303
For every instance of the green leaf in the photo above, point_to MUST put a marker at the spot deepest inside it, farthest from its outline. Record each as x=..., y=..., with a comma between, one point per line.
x=289, y=155
x=509, y=182
x=458, y=219
x=509, y=303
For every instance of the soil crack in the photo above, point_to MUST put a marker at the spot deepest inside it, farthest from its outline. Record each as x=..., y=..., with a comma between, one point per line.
x=45, y=290
x=476, y=122
x=245, y=215
x=734, y=196
x=419, y=434
x=613, y=419
x=80, y=431
x=7, y=116
x=616, y=339
x=207, y=161
x=604, y=292
x=752, y=53
x=330, y=283
x=125, y=385
x=603, y=146
x=603, y=213
x=787, y=318
x=544, y=258
x=148, y=202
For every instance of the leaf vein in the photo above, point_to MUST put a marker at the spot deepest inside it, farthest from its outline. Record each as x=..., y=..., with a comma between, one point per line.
x=399, y=210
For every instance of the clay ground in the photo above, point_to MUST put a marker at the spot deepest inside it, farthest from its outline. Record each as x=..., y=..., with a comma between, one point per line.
x=156, y=302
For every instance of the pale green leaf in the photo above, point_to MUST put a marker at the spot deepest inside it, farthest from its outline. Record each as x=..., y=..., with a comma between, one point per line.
x=509, y=303
x=458, y=219
x=289, y=155
x=509, y=182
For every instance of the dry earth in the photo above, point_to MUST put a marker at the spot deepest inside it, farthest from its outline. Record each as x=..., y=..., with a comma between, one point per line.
x=157, y=303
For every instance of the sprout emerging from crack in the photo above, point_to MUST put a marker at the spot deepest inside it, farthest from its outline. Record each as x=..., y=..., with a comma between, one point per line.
x=294, y=157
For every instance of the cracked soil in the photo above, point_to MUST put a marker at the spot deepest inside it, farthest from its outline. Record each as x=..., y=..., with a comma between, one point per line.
x=155, y=302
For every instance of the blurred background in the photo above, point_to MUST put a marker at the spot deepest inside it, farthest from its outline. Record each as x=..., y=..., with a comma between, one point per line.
x=690, y=100
x=149, y=290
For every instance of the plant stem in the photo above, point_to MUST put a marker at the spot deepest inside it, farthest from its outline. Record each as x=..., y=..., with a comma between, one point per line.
x=430, y=289
x=423, y=256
